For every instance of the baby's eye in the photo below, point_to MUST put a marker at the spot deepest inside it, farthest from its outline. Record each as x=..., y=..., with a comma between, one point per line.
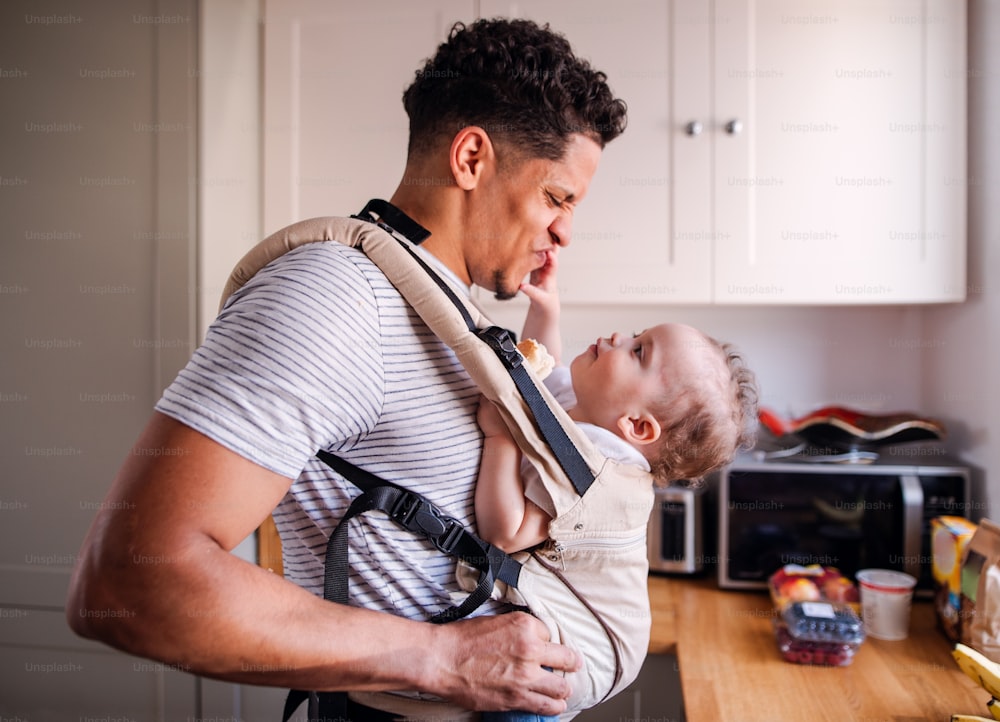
x=554, y=201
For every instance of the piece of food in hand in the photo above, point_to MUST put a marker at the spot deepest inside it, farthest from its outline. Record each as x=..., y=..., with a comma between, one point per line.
x=537, y=356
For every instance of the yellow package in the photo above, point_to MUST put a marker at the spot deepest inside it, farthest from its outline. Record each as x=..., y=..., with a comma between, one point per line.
x=949, y=537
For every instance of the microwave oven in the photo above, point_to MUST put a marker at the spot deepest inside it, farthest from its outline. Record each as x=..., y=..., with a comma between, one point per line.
x=846, y=516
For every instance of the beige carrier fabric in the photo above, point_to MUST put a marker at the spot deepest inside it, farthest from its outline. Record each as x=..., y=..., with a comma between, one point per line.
x=588, y=584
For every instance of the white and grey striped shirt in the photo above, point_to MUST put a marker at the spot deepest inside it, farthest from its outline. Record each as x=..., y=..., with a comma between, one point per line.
x=319, y=350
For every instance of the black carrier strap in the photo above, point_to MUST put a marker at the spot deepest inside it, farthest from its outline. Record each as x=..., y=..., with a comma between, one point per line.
x=414, y=512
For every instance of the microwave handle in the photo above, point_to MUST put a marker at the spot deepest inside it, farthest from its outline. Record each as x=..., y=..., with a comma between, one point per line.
x=913, y=521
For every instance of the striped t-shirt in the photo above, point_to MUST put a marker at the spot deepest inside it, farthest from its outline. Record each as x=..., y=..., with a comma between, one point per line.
x=319, y=351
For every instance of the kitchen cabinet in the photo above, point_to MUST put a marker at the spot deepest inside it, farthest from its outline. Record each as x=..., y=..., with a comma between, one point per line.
x=334, y=129
x=846, y=184
x=641, y=235
x=775, y=153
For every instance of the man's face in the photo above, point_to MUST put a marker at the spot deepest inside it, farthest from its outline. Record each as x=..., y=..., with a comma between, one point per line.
x=526, y=211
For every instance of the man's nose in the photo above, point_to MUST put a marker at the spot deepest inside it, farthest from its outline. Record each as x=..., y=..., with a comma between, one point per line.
x=561, y=230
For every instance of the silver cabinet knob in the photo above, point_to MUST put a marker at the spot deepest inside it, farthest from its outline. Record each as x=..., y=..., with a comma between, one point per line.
x=734, y=127
x=694, y=128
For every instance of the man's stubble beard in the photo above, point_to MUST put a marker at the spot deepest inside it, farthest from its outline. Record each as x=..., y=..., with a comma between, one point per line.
x=501, y=291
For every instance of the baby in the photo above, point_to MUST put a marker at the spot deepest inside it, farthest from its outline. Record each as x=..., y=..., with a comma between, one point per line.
x=669, y=399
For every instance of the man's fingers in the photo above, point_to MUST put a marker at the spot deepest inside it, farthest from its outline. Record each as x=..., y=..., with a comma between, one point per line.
x=561, y=658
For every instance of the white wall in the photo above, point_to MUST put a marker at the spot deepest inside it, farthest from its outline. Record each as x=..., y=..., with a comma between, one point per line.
x=960, y=373
x=96, y=307
x=230, y=169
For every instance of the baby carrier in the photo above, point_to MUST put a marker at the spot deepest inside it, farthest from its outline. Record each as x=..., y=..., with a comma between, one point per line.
x=588, y=582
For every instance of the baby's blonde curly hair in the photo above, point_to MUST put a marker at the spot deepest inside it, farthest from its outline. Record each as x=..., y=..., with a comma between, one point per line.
x=703, y=429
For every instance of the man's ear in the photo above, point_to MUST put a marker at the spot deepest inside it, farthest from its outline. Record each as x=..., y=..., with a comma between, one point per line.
x=470, y=154
x=640, y=429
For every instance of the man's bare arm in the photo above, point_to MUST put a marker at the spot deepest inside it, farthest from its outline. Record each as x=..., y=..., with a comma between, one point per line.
x=155, y=578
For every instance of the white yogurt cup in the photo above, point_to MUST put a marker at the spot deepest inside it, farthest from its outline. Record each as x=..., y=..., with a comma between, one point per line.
x=885, y=602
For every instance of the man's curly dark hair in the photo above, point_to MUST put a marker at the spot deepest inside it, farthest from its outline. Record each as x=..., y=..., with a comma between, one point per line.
x=518, y=81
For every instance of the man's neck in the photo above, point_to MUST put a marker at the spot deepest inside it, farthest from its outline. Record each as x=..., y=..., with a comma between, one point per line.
x=431, y=210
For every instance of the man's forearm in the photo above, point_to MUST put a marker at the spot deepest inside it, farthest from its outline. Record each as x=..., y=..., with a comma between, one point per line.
x=256, y=628
x=210, y=613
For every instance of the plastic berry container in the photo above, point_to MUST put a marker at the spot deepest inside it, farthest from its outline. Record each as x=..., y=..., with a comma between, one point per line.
x=821, y=633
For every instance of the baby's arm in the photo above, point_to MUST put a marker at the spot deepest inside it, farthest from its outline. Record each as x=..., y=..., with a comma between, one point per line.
x=542, y=320
x=505, y=517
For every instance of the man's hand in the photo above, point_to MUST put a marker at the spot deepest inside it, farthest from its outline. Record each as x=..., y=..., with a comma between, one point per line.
x=498, y=663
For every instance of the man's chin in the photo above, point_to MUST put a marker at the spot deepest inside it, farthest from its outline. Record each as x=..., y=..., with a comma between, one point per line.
x=501, y=288
x=504, y=294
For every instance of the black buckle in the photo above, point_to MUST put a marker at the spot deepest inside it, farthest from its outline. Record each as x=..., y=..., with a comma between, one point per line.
x=416, y=514
x=502, y=342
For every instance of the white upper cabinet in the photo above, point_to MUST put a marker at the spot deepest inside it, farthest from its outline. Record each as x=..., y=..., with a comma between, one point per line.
x=641, y=234
x=776, y=152
x=845, y=182
x=334, y=130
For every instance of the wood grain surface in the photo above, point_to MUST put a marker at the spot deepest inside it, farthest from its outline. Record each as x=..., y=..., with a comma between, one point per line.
x=731, y=668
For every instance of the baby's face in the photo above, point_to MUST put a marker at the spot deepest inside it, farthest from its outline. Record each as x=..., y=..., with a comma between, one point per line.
x=626, y=374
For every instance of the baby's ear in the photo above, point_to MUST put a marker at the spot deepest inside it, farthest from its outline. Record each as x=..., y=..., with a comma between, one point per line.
x=640, y=429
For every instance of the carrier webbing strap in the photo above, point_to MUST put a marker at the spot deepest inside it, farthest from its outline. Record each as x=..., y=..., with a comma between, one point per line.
x=565, y=451
x=414, y=513
x=393, y=218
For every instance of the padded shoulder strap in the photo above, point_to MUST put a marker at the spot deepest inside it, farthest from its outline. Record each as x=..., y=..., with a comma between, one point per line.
x=448, y=322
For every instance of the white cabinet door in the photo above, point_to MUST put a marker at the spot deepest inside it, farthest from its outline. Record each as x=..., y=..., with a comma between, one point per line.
x=843, y=183
x=641, y=235
x=835, y=187
x=335, y=131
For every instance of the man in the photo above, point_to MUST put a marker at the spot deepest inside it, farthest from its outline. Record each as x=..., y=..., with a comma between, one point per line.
x=319, y=351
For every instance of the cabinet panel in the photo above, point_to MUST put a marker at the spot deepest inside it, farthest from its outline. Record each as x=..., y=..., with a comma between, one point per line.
x=630, y=242
x=49, y=674
x=335, y=131
x=832, y=191
x=844, y=183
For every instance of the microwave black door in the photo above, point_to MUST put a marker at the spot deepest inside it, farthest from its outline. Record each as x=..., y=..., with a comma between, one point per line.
x=849, y=521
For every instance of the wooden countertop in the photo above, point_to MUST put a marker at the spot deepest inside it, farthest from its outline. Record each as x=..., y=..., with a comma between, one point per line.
x=731, y=669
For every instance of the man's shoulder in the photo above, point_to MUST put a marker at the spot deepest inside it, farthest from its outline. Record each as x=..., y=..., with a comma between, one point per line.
x=321, y=269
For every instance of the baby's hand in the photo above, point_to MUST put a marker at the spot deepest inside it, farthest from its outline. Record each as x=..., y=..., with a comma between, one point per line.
x=489, y=419
x=542, y=286
x=544, y=278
